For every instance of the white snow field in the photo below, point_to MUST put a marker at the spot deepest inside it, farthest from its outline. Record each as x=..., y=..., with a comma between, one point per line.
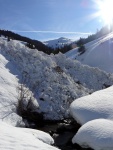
x=58, y=43
x=99, y=53
x=97, y=134
x=95, y=113
x=57, y=80
x=13, y=138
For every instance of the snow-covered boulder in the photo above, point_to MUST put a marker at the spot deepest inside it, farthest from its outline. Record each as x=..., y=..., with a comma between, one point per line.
x=96, y=134
x=94, y=106
x=16, y=139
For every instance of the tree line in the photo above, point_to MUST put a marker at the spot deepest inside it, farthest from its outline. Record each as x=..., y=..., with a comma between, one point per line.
x=33, y=44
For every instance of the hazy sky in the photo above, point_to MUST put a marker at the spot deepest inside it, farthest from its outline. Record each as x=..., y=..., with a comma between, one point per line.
x=48, y=19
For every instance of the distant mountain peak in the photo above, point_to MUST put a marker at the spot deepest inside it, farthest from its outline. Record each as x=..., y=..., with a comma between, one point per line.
x=58, y=43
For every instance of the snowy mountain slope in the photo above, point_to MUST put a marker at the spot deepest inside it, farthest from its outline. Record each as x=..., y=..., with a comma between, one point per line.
x=57, y=43
x=8, y=94
x=13, y=137
x=57, y=80
x=52, y=85
x=98, y=53
x=72, y=53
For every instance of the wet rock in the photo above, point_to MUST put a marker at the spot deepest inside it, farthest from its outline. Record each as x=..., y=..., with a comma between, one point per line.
x=62, y=139
x=72, y=127
x=77, y=147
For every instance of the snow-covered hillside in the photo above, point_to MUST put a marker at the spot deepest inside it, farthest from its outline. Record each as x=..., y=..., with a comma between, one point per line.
x=99, y=53
x=58, y=43
x=8, y=93
x=55, y=80
x=12, y=137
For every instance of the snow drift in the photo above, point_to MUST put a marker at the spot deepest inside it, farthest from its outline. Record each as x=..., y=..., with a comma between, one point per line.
x=94, y=106
x=14, y=138
x=96, y=134
x=95, y=113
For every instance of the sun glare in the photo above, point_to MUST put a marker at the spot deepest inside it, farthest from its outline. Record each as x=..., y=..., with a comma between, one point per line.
x=106, y=10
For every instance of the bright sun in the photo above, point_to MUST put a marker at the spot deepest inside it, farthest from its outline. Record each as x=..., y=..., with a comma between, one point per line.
x=106, y=10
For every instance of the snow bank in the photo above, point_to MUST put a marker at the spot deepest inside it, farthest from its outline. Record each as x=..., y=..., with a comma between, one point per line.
x=97, y=134
x=42, y=136
x=55, y=80
x=94, y=106
x=16, y=139
x=8, y=94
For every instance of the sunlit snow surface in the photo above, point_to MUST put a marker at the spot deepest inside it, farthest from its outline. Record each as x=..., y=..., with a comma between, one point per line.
x=99, y=53
x=97, y=134
x=13, y=138
x=94, y=106
x=95, y=113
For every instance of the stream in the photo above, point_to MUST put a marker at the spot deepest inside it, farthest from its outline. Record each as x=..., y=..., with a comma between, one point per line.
x=62, y=133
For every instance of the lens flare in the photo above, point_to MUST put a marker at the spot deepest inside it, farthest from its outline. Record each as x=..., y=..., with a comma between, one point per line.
x=106, y=10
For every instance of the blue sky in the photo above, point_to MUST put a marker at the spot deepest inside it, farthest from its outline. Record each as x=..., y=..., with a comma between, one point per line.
x=49, y=19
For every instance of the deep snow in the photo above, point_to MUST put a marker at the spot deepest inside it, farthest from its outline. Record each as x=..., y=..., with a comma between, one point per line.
x=96, y=134
x=95, y=113
x=8, y=94
x=55, y=80
x=99, y=53
x=94, y=106
x=14, y=138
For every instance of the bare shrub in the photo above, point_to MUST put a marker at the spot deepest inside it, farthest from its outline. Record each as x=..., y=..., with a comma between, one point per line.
x=58, y=69
x=26, y=102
